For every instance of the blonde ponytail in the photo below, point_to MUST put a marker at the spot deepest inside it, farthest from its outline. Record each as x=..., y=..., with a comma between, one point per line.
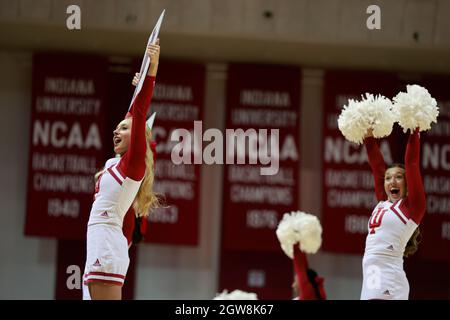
x=147, y=200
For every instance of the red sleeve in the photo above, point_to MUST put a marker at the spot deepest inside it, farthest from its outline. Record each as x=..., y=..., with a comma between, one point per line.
x=128, y=225
x=378, y=166
x=416, y=194
x=306, y=289
x=132, y=163
x=144, y=224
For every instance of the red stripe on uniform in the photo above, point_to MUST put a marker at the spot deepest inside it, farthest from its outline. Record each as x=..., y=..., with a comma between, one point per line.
x=115, y=275
x=398, y=214
x=104, y=281
x=114, y=176
x=122, y=175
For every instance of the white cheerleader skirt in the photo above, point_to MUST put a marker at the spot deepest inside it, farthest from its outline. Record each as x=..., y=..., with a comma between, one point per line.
x=107, y=257
x=384, y=278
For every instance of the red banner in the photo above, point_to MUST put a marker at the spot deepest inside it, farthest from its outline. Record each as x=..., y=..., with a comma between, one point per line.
x=427, y=279
x=65, y=143
x=269, y=275
x=263, y=102
x=178, y=101
x=348, y=195
x=435, y=156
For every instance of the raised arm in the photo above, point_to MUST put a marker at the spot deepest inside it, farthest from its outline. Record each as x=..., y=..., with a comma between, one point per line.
x=306, y=289
x=133, y=161
x=416, y=194
x=377, y=165
x=152, y=70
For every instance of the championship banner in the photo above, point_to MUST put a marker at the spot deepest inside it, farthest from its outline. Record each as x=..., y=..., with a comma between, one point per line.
x=66, y=147
x=261, y=177
x=269, y=275
x=435, y=169
x=178, y=101
x=348, y=193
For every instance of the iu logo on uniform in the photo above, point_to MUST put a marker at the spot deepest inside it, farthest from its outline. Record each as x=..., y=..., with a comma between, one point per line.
x=375, y=219
x=97, y=263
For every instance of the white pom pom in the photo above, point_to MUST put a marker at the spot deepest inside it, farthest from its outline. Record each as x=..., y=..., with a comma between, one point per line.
x=302, y=228
x=372, y=112
x=415, y=108
x=236, y=295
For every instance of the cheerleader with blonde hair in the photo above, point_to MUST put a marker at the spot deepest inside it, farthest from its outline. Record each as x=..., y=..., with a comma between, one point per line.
x=125, y=182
